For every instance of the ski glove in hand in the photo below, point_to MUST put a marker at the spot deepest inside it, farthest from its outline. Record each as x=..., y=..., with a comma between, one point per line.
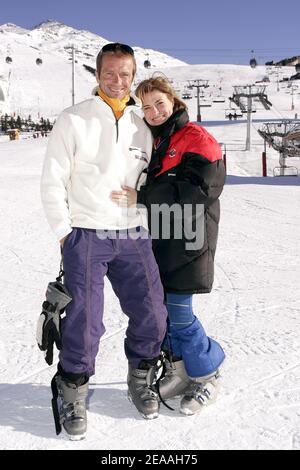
x=48, y=327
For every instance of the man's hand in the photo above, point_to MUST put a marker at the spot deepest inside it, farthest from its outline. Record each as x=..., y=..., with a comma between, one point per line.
x=125, y=198
x=62, y=241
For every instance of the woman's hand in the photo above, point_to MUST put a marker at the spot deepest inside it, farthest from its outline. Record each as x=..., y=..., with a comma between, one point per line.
x=125, y=198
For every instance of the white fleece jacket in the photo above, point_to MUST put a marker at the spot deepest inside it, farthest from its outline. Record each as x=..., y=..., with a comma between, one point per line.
x=89, y=154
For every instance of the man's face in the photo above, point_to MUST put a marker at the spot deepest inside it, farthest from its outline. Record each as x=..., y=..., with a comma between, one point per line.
x=116, y=75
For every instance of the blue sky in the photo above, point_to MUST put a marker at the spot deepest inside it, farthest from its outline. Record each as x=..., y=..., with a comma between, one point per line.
x=210, y=31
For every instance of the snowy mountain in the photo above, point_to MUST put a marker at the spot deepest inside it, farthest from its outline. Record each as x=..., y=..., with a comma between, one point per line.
x=52, y=36
x=46, y=89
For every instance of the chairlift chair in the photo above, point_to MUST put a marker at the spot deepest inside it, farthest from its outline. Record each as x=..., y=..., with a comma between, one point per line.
x=245, y=111
x=186, y=95
x=8, y=60
x=219, y=99
x=147, y=63
x=232, y=114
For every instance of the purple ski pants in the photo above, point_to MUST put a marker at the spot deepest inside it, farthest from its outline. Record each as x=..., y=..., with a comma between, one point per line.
x=131, y=268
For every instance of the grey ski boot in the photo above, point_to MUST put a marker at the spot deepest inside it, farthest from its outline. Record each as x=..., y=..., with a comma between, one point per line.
x=202, y=392
x=175, y=380
x=141, y=390
x=72, y=407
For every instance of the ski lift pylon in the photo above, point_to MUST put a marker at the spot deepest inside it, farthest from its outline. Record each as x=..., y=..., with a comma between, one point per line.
x=283, y=136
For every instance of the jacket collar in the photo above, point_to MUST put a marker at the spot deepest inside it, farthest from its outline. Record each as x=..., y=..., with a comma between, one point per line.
x=176, y=121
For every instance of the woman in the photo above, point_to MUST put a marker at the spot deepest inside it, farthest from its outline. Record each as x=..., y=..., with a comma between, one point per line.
x=187, y=173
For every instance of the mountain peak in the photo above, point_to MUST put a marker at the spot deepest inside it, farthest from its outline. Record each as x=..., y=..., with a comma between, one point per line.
x=47, y=23
x=11, y=27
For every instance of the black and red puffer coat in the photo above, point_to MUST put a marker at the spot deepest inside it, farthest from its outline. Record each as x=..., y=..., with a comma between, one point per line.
x=186, y=168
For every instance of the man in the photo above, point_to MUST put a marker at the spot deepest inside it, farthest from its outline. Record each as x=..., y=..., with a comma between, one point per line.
x=95, y=146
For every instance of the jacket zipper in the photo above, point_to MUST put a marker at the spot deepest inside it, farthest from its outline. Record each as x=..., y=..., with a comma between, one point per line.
x=117, y=120
x=117, y=129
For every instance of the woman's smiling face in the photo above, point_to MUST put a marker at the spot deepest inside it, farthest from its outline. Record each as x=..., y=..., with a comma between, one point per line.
x=157, y=107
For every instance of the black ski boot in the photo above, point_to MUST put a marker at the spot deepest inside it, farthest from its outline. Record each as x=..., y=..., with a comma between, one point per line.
x=69, y=407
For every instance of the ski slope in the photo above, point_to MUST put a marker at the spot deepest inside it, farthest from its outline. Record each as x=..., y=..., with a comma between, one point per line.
x=253, y=311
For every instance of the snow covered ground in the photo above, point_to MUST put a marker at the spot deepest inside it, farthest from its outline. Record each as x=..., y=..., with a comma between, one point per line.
x=253, y=311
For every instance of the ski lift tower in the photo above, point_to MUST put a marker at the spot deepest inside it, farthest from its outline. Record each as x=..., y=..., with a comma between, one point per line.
x=283, y=136
x=72, y=51
x=73, y=74
x=277, y=71
x=293, y=88
x=199, y=83
x=243, y=97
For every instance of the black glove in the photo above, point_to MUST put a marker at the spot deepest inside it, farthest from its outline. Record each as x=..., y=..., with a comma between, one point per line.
x=48, y=327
